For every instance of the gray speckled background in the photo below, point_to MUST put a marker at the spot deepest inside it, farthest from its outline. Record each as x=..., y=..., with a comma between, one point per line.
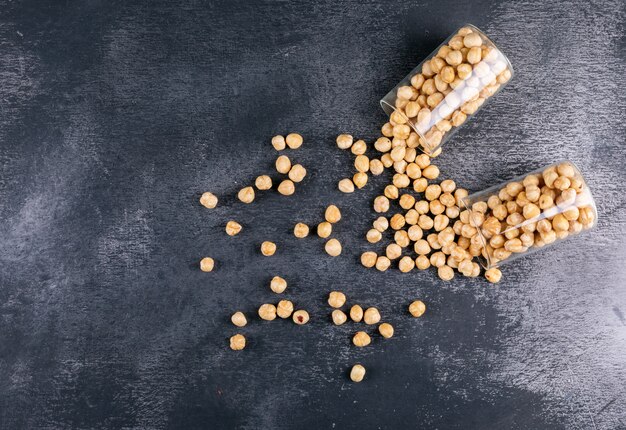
x=116, y=115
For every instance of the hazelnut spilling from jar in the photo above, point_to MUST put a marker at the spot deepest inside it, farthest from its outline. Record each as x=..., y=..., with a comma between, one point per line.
x=440, y=94
x=527, y=213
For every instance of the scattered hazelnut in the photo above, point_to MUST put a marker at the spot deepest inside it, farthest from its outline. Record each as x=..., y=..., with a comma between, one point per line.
x=373, y=235
x=346, y=185
x=284, y=309
x=333, y=247
x=267, y=312
x=493, y=275
x=360, y=179
x=294, y=140
x=356, y=313
x=382, y=263
x=332, y=214
x=406, y=264
x=445, y=272
x=368, y=259
x=286, y=187
x=263, y=182
x=283, y=164
x=297, y=173
x=344, y=141
x=301, y=230
x=208, y=200
x=339, y=317
x=237, y=342
x=324, y=229
x=278, y=142
x=268, y=248
x=357, y=373
x=361, y=339
x=233, y=228
x=301, y=317
x=278, y=284
x=417, y=308
x=246, y=195
x=336, y=299
x=386, y=330
x=239, y=319
x=371, y=316
x=207, y=264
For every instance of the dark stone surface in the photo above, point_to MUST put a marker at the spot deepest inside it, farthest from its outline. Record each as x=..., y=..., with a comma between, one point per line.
x=116, y=115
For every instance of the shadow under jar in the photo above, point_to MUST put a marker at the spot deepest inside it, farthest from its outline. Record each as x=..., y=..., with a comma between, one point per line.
x=447, y=88
x=520, y=216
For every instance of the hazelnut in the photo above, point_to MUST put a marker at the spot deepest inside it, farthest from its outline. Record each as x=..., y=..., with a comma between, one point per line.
x=446, y=273
x=294, y=140
x=208, y=200
x=373, y=236
x=359, y=147
x=336, y=299
x=417, y=308
x=368, y=259
x=237, y=342
x=357, y=373
x=286, y=187
x=339, y=317
x=381, y=224
x=385, y=330
x=263, y=182
x=356, y=313
x=284, y=309
x=406, y=264
x=381, y=204
x=360, y=179
x=246, y=195
x=278, y=142
x=332, y=214
x=283, y=164
x=233, y=228
x=207, y=264
x=346, y=185
x=239, y=319
x=268, y=248
x=278, y=284
x=267, y=312
x=300, y=317
x=301, y=230
x=344, y=141
x=371, y=316
x=297, y=173
x=493, y=275
x=333, y=247
x=324, y=229
x=382, y=263
x=361, y=339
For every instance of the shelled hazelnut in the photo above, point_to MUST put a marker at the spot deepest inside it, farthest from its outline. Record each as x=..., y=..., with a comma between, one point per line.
x=208, y=200
x=233, y=228
x=301, y=230
x=207, y=264
x=357, y=373
x=284, y=309
x=361, y=339
x=237, y=342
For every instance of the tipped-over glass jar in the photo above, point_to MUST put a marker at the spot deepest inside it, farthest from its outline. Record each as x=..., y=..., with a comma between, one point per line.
x=520, y=216
x=447, y=88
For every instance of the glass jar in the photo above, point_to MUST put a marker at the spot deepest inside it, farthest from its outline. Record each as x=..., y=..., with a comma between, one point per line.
x=525, y=214
x=447, y=88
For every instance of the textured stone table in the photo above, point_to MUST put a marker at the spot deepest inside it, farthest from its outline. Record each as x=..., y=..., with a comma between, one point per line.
x=116, y=115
